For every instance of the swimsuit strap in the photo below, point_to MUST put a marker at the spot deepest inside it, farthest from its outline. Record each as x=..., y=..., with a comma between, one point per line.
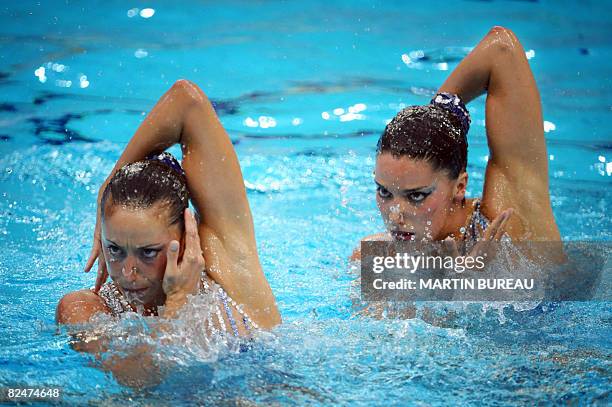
x=228, y=311
x=228, y=301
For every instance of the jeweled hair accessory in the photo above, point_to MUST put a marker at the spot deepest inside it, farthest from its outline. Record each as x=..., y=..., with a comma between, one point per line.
x=169, y=160
x=453, y=104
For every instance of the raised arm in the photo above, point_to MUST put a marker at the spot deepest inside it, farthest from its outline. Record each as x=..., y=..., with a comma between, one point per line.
x=517, y=171
x=185, y=115
x=498, y=66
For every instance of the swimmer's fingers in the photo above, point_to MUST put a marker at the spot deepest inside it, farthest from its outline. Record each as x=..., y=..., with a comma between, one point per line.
x=172, y=255
x=171, y=275
x=450, y=246
x=102, y=274
x=171, y=284
x=193, y=249
x=93, y=256
x=486, y=247
x=502, y=228
x=182, y=279
x=96, y=249
x=496, y=229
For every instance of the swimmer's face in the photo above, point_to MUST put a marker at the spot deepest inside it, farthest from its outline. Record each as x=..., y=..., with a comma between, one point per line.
x=135, y=243
x=413, y=199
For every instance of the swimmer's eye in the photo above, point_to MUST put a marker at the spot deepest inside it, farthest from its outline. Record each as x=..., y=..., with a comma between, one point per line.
x=417, y=197
x=383, y=192
x=149, y=253
x=113, y=250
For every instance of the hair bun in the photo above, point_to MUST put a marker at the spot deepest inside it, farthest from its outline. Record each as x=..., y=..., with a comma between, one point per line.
x=169, y=160
x=453, y=103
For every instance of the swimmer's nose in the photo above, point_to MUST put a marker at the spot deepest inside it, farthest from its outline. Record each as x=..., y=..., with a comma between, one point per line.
x=396, y=217
x=396, y=214
x=129, y=269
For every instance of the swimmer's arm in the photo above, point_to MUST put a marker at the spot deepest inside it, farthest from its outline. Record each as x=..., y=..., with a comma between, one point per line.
x=78, y=307
x=135, y=369
x=498, y=66
x=517, y=169
x=217, y=189
x=75, y=310
x=185, y=115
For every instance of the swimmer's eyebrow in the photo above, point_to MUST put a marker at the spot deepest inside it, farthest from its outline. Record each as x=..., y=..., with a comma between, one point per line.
x=426, y=188
x=152, y=246
x=149, y=246
x=110, y=241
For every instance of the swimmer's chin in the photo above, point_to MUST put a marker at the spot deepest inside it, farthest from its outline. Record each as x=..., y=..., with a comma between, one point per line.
x=403, y=236
x=136, y=295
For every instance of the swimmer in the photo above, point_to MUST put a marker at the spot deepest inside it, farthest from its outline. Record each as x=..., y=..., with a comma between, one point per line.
x=156, y=251
x=421, y=160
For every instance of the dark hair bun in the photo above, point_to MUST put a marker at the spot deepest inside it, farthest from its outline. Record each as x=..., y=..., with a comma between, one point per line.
x=453, y=104
x=169, y=160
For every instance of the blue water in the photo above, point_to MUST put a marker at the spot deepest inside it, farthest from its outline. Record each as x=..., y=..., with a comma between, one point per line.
x=279, y=73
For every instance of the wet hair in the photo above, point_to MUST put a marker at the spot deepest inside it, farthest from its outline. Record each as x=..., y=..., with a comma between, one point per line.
x=429, y=133
x=142, y=184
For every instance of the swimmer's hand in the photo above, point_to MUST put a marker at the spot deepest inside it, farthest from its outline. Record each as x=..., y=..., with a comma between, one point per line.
x=494, y=233
x=181, y=280
x=97, y=254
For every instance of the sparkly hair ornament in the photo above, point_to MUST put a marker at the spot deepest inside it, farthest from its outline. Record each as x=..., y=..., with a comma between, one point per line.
x=452, y=103
x=169, y=160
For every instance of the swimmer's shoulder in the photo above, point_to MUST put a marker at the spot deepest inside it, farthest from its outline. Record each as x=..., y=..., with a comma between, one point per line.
x=376, y=237
x=78, y=307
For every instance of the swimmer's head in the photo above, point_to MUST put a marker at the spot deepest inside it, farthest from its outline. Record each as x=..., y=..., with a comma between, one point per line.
x=421, y=171
x=427, y=133
x=156, y=181
x=142, y=212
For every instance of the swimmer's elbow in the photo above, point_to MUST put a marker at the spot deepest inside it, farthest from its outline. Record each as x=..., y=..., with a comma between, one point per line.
x=270, y=319
x=276, y=320
x=188, y=91
x=503, y=40
x=78, y=307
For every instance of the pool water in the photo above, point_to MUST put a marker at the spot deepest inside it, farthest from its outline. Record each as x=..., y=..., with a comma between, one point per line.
x=304, y=89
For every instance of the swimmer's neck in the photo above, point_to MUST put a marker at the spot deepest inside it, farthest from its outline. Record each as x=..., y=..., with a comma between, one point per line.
x=458, y=217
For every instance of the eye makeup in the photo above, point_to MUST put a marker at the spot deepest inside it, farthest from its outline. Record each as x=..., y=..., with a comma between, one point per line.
x=418, y=196
x=414, y=195
x=114, y=250
x=149, y=253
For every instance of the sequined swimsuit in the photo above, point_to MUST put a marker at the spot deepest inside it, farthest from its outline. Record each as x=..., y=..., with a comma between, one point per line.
x=477, y=226
x=117, y=303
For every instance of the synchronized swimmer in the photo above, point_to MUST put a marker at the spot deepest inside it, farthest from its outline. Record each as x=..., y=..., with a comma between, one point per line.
x=158, y=253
